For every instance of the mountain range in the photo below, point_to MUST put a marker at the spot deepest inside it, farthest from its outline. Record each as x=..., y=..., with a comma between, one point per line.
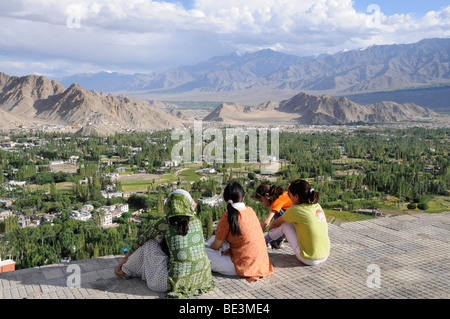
x=38, y=100
x=251, y=78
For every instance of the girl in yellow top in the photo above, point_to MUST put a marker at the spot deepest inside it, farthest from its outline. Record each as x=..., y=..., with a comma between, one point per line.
x=278, y=200
x=304, y=224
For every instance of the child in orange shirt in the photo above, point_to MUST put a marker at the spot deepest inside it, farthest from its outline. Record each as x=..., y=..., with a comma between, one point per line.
x=278, y=200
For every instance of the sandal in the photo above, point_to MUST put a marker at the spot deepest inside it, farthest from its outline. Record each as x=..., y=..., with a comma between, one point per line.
x=122, y=274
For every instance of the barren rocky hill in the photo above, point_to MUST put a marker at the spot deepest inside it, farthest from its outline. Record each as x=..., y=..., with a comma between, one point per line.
x=310, y=109
x=36, y=99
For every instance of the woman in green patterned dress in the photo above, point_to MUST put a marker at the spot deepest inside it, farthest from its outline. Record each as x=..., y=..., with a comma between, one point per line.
x=186, y=271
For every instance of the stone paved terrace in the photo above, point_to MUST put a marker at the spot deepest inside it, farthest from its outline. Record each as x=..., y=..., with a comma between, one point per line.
x=411, y=251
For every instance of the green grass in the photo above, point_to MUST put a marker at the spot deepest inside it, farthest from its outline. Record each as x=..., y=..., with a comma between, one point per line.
x=136, y=186
x=440, y=203
x=191, y=178
x=385, y=206
x=347, y=216
x=436, y=211
x=188, y=172
x=189, y=175
x=350, y=160
x=63, y=186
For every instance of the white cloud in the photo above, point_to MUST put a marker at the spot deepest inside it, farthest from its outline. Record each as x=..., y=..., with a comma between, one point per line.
x=24, y=67
x=140, y=35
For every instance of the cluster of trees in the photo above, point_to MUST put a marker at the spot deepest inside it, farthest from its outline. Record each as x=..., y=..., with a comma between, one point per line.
x=419, y=202
x=32, y=163
x=404, y=163
x=36, y=246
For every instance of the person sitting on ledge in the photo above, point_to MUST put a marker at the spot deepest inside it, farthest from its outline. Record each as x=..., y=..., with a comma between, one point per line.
x=278, y=200
x=304, y=224
x=170, y=256
x=239, y=230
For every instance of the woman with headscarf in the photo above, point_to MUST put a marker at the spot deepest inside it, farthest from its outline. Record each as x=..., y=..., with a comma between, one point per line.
x=184, y=270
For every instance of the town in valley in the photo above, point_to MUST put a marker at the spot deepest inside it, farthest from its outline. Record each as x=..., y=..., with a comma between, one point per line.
x=67, y=196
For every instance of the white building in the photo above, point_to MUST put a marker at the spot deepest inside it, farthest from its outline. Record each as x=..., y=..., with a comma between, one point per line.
x=116, y=214
x=24, y=221
x=112, y=176
x=112, y=212
x=110, y=188
x=107, y=219
x=171, y=163
x=7, y=144
x=73, y=159
x=84, y=181
x=5, y=214
x=124, y=208
x=81, y=215
x=16, y=183
x=6, y=203
x=57, y=163
x=212, y=201
x=111, y=195
x=88, y=208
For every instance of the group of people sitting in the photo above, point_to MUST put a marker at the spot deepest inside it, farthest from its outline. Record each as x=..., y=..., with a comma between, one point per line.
x=171, y=256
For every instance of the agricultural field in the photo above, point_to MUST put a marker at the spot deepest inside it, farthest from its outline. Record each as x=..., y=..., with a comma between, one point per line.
x=139, y=182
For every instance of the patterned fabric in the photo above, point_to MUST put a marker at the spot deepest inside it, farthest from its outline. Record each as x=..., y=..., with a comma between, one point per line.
x=149, y=263
x=248, y=252
x=189, y=271
x=179, y=203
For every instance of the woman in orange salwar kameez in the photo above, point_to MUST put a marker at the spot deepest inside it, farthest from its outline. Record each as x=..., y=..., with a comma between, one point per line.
x=239, y=229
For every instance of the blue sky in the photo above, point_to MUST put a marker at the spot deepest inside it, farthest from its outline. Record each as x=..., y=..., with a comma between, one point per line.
x=187, y=4
x=390, y=7
x=58, y=38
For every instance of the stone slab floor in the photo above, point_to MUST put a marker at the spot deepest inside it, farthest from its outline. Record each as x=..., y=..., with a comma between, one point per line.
x=402, y=257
